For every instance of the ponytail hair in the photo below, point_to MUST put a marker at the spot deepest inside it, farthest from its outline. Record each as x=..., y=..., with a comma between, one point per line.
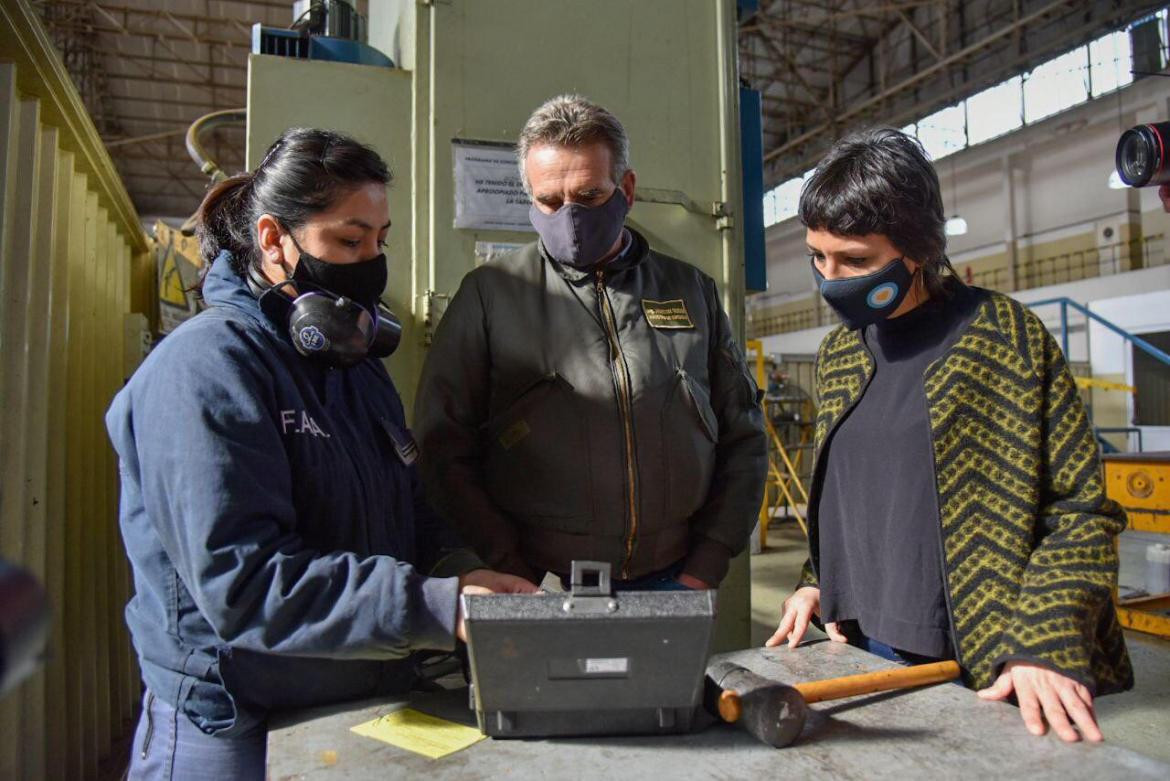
x=222, y=219
x=305, y=172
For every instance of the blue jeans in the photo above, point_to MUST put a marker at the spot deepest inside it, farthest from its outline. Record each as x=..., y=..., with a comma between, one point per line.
x=662, y=580
x=878, y=648
x=169, y=747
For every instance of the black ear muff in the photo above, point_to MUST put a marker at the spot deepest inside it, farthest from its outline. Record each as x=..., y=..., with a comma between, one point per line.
x=257, y=282
x=387, y=335
x=331, y=329
x=326, y=327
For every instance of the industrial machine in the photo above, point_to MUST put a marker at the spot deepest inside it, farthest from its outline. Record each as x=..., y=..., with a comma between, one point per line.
x=1140, y=483
x=330, y=30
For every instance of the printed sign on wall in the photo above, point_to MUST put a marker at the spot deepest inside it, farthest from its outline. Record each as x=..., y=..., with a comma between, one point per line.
x=488, y=192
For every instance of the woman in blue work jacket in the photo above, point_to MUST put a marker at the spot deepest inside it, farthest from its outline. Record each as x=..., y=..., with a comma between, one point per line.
x=283, y=555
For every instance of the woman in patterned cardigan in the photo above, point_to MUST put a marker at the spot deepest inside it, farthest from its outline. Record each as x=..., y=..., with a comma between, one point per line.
x=957, y=507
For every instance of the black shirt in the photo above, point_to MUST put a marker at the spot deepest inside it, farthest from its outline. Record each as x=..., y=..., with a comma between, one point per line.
x=880, y=536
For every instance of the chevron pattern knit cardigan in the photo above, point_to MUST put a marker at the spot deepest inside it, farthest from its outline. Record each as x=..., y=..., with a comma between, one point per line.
x=1027, y=534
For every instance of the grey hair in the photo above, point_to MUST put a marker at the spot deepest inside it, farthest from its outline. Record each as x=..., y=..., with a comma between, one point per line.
x=571, y=121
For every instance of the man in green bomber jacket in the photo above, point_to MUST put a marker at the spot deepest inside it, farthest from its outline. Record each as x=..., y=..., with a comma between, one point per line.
x=584, y=397
x=957, y=508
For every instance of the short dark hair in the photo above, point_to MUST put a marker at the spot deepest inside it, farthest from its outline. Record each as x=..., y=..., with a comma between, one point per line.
x=880, y=181
x=304, y=172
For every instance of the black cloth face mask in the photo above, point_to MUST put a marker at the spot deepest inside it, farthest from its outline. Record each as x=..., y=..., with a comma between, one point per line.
x=362, y=282
x=864, y=300
x=578, y=235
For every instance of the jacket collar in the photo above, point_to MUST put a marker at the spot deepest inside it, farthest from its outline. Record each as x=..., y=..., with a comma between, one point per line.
x=223, y=287
x=637, y=252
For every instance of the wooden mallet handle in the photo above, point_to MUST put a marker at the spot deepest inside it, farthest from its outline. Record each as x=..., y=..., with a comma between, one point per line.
x=880, y=681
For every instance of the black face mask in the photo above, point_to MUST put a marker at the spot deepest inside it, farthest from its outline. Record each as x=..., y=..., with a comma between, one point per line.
x=866, y=299
x=577, y=235
x=362, y=282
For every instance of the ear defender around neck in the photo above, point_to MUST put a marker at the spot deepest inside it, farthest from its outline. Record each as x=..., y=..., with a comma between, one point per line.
x=325, y=327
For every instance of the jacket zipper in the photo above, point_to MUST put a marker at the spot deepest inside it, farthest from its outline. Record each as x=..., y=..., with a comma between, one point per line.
x=942, y=552
x=621, y=378
x=149, y=716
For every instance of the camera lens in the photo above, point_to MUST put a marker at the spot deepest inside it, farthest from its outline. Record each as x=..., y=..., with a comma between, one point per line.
x=1141, y=155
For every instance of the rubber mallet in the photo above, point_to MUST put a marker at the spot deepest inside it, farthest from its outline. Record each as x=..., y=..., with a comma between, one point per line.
x=775, y=712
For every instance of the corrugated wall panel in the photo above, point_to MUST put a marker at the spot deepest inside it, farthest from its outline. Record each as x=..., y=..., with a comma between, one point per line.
x=72, y=641
x=41, y=169
x=11, y=527
x=73, y=263
x=56, y=712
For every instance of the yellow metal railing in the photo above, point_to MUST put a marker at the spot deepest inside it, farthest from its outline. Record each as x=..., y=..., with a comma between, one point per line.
x=74, y=264
x=783, y=485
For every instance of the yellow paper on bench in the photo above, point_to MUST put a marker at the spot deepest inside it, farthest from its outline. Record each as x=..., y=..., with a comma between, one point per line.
x=420, y=733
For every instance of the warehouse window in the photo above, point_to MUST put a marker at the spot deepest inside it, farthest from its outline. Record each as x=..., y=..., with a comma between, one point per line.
x=994, y=111
x=1056, y=85
x=1151, y=378
x=770, y=207
x=944, y=131
x=785, y=199
x=1109, y=62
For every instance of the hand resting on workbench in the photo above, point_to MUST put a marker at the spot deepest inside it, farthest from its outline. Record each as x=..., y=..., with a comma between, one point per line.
x=797, y=613
x=1044, y=696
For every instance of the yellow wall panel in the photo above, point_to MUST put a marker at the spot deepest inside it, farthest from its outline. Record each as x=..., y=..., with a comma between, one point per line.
x=76, y=584
x=17, y=537
x=89, y=481
x=56, y=712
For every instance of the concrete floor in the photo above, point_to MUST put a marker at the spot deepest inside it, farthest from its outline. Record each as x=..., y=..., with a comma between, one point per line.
x=1138, y=720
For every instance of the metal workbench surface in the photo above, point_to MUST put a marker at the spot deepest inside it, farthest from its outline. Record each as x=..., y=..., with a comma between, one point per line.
x=942, y=731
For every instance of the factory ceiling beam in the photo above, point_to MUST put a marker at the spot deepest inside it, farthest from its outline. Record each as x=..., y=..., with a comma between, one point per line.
x=823, y=101
x=814, y=31
x=863, y=9
x=941, y=98
x=921, y=76
x=919, y=35
x=910, y=113
x=770, y=59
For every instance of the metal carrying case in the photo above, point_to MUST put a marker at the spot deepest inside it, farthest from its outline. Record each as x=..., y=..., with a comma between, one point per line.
x=588, y=662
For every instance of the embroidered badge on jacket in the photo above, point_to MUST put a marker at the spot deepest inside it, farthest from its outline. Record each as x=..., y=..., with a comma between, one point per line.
x=667, y=314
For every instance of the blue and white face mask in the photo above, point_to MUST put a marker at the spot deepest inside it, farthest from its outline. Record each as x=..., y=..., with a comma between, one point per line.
x=864, y=300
